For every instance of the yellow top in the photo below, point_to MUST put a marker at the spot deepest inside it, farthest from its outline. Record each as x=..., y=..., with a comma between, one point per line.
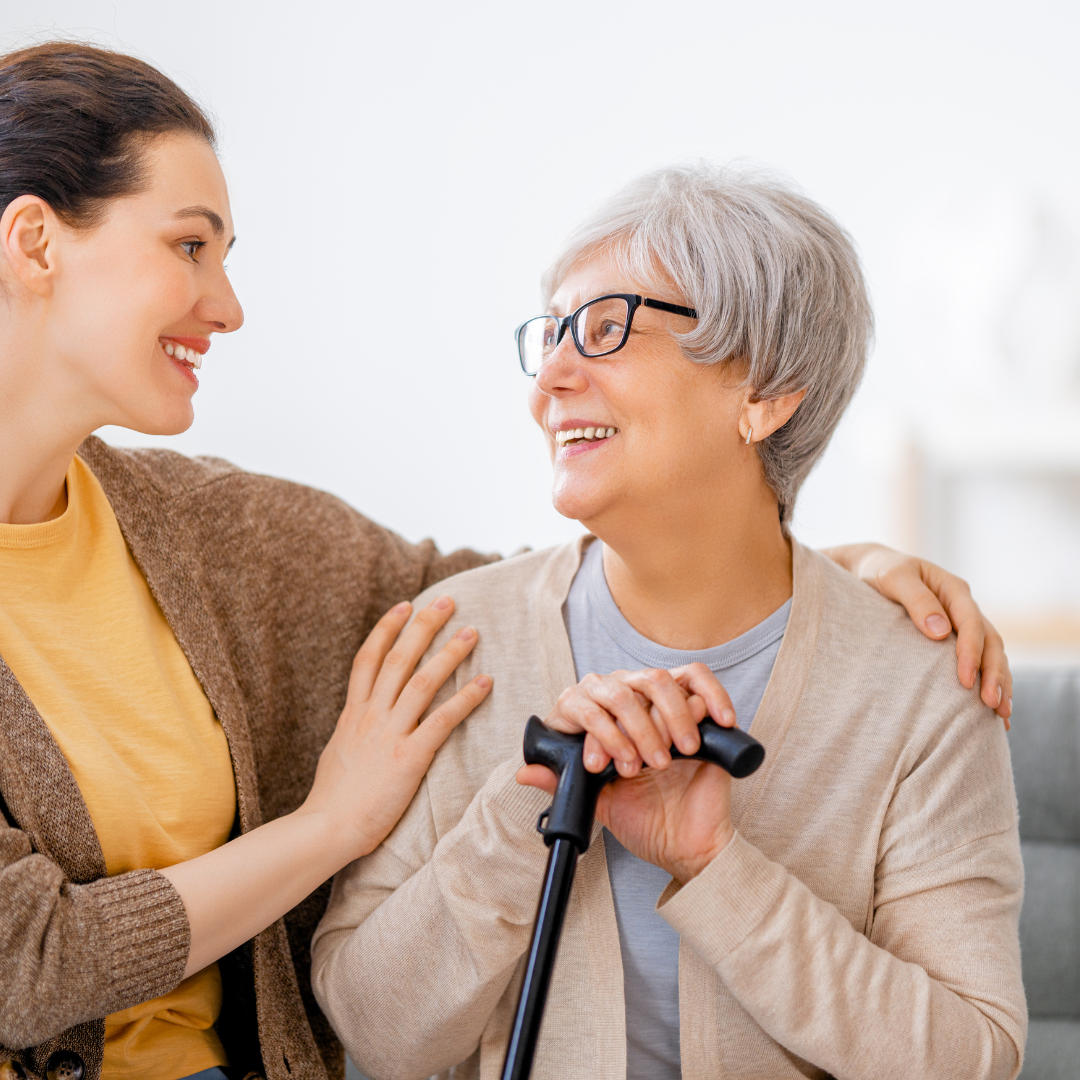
x=86, y=639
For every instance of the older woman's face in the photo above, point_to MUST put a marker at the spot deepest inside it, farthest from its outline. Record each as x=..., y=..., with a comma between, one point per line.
x=676, y=433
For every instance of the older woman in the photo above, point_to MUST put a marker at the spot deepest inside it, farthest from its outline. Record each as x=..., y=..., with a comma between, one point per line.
x=849, y=910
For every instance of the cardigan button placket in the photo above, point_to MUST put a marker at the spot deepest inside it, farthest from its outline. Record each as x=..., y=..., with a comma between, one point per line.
x=64, y=1065
x=12, y=1070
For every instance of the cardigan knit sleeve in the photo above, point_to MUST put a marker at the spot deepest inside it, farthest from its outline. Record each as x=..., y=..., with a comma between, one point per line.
x=70, y=953
x=422, y=939
x=934, y=989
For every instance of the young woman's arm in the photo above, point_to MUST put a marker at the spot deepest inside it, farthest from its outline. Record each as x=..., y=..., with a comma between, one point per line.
x=71, y=952
x=366, y=777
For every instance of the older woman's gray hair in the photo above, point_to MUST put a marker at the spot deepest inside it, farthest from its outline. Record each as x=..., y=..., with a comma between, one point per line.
x=776, y=284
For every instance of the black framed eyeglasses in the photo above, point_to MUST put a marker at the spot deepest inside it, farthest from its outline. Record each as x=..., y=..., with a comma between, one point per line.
x=598, y=328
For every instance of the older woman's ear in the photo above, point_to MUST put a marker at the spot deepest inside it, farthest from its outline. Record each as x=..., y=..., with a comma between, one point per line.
x=759, y=419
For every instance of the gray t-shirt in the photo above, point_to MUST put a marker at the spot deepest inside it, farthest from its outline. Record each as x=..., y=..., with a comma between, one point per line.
x=603, y=641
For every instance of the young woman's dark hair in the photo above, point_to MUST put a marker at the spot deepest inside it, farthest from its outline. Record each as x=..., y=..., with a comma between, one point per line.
x=74, y=120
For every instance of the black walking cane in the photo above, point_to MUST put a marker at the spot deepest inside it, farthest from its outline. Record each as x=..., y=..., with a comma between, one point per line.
x=567, y=832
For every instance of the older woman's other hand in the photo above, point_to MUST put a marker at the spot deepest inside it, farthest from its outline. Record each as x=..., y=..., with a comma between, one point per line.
x=677, y=818
x=938, y=602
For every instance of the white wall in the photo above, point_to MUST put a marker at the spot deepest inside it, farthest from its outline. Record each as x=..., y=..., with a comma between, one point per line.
x=401, y=173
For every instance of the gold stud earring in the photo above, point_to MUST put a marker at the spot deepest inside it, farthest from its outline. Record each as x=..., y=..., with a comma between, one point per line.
x=749, y=435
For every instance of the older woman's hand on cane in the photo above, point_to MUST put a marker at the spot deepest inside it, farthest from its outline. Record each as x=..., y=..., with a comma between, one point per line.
x=675, y=814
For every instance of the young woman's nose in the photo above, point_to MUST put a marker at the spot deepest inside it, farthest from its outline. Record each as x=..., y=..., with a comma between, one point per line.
x=220, y=306
x=561, y=372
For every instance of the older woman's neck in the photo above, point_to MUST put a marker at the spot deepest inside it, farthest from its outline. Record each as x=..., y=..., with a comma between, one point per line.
x=699, y=584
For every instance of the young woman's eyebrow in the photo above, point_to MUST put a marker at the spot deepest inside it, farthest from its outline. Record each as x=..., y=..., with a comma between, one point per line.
x=211, y=216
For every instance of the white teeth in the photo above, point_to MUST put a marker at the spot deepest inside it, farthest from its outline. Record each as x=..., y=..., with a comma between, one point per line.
x=181, y=353
x=585, y=434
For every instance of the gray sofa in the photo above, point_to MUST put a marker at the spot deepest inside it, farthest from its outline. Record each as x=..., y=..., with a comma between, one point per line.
x=1045, y=744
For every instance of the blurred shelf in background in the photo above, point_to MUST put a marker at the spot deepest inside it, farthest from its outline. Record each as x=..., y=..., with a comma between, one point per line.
x=993, y=493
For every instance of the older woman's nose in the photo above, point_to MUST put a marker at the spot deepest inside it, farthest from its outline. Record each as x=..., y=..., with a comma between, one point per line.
x=562, y=372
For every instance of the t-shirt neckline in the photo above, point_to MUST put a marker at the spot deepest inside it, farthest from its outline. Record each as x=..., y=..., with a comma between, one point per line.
x=649, y=652
x=44, y=533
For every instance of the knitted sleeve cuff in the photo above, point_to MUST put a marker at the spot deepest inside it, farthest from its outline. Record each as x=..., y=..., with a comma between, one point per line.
x=726, y=902
x=519, y=803
x=144, y=932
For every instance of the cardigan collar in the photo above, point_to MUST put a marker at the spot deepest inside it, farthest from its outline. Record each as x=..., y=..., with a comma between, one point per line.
x=783, y=692
x=41, y=793
x=151, y=521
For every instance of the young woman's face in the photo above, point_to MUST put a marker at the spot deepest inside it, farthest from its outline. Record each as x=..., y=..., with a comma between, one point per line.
x=137, y=297
x=676, y=422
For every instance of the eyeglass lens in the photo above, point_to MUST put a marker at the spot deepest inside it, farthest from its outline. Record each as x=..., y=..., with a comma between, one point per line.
x=600, y=326
x=536, y=342
x=597, y=328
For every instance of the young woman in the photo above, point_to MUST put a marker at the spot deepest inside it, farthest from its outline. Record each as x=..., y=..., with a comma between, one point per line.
x=849, y=910
x=190, y=743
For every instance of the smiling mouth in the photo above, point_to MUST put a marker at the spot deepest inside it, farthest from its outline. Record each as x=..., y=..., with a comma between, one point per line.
x=573, y=436
x=184, y=353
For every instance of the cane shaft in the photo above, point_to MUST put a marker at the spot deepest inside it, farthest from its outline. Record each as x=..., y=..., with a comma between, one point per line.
x=562, y=862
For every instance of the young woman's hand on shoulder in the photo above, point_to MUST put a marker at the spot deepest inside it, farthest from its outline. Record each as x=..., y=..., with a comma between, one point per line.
x=378, y=754
x=366, y=777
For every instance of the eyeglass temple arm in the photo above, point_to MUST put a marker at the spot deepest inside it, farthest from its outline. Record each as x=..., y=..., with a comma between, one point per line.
x=675, y=309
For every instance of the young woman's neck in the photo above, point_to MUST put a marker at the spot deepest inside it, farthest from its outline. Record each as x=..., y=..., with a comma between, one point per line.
x=39, y=435
x=693, y=581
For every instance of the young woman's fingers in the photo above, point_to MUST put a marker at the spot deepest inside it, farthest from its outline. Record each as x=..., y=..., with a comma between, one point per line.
x=400, y=662
x=970, y=641
x=434, y=729
x=698, y=679
x=902, y=580
x=996, y=676
x=420, y=690
x=979, y=646
x=369, y=658
x=675, y=721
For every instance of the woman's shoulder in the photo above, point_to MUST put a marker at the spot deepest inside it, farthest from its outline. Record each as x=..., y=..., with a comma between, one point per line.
x=512, y=584
x=215, y=491
x=166, y=470
x=869, y=652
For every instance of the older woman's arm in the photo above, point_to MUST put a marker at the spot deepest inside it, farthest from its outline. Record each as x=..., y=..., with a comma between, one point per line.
x=933, y=989
x=422, y=937
x=930, y=986
x=938, y=603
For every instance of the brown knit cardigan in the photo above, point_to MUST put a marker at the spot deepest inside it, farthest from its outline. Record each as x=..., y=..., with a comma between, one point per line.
x=270, y=588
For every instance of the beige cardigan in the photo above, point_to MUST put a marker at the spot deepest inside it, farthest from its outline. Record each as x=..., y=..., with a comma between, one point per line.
x=862, y=923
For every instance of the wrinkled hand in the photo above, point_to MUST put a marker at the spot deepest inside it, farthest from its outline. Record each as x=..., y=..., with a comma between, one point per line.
x=676, y=814
x=633, y=717
x=378, y=754
x=678, y=818
x=938, y=602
